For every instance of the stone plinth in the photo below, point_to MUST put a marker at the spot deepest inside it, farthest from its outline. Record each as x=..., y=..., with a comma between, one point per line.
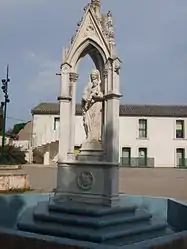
x=91, y=151
x=11, y=179
x=88, y=182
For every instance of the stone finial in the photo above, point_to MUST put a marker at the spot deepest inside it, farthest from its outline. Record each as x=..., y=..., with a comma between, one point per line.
x=110, y=25
x=96, y=6
x=86, y=7
x=96, y=2
x=117, y=65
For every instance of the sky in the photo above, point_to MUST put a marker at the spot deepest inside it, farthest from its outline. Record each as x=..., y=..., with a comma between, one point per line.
x=151, y=41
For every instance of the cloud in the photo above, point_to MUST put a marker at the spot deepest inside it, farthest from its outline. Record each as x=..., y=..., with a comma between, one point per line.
x=151, y=39
x=45, y=79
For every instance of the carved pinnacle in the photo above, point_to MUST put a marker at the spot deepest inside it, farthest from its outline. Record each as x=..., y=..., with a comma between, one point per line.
x=96, y=2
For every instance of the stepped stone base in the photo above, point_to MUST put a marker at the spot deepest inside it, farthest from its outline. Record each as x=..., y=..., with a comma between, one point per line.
x=117, y=226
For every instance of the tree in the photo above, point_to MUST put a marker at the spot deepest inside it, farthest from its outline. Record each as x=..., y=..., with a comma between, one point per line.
x=12, y=155
x=17, y=128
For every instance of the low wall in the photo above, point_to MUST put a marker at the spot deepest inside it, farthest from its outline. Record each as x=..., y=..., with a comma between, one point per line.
x=176, y=241
x=11, y=239
x=12, y=206
x=13, y=179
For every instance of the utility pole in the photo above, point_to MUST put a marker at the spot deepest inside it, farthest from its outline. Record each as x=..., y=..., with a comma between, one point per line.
x=4, y=104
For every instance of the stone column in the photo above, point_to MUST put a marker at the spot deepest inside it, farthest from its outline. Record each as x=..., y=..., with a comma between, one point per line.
x=112, y=112
x=65, y=110
x=73, y=81
x=105, y=74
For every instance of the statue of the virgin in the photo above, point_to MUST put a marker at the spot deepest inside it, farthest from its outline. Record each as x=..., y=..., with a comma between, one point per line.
x=92, y=107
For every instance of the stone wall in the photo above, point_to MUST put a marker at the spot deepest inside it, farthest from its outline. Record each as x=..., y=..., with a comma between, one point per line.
x=13, y=179
x=13, y=241
x=176, y=244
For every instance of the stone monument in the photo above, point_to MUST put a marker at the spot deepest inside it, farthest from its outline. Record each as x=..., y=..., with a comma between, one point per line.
x=97, y=163
x=86, y=206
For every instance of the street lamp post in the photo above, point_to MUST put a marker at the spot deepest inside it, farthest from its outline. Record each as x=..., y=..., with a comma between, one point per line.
x=4, y=104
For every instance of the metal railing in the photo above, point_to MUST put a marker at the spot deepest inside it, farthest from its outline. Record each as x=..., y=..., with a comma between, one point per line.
x=137, y=162
x=44, y=138
x=182, y=163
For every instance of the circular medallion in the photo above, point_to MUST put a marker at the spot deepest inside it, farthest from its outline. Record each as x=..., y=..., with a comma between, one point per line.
x=85, y=180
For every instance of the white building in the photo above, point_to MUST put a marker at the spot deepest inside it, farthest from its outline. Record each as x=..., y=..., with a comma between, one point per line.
x=150, y=135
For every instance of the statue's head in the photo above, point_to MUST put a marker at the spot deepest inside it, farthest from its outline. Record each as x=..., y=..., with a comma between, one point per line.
x=95, y=74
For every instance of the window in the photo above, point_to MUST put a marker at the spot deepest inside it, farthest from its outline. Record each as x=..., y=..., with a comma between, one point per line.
x=180, y=129
x=142, y=160
x=56, y=123
x=126, y=156
x=142, y=128
x=180, y=153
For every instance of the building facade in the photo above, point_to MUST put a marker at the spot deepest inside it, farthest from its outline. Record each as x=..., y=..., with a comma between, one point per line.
x=150, y=135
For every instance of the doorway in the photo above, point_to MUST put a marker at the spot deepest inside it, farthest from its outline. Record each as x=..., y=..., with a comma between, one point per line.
x=126, y=156
x=142, y=160
x=180, y=154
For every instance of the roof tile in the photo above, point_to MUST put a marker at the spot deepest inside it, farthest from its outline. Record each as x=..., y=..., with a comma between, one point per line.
x=125, y=110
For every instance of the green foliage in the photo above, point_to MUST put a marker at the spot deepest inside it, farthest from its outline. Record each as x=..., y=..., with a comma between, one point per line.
x=17, y=127
x=12, y=156
x=37, y=156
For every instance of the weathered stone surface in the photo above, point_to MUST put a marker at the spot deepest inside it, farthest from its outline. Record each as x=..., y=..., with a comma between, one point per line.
x=11, y=240
x=94, y=182
x=13, y=179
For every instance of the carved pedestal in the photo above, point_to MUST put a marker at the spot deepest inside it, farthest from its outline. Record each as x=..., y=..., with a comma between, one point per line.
x=91, y=151
x=87, y=182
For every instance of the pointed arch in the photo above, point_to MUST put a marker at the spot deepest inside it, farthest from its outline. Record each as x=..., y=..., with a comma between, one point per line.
x=94, y=50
